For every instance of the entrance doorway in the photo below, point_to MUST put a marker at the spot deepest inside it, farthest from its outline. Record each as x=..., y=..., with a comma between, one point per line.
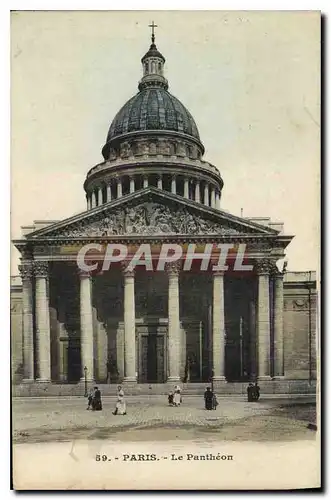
x=152, y=359
x=73, y=360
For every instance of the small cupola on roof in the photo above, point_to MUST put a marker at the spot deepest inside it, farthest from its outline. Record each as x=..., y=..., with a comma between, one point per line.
x=153, y=63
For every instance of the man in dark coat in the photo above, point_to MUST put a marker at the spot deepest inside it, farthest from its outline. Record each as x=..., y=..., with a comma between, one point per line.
x=96, y=403
x=208, y=399
x=250, y=392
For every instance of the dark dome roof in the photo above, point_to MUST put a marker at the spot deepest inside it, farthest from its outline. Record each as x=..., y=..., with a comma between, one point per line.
x=153, y=109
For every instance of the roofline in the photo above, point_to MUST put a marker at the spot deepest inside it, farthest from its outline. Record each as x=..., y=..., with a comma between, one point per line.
x=161, y=194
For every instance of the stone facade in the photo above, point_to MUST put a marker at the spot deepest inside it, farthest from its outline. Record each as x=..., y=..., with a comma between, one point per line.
x=159, y=326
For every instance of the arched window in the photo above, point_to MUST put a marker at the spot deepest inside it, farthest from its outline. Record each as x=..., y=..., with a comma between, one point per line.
x=160, y=66
x=146, y=67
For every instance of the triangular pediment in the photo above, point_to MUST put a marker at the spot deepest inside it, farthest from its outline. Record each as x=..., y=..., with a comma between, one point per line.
x=151, y=212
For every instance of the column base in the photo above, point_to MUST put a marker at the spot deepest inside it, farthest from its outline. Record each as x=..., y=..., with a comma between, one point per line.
x=219, y=378
x=264, y=378
x=173, y=379
x=278, y=377
x=28, y=381
x=88, y=380
x=131, y=380
x=43, y=381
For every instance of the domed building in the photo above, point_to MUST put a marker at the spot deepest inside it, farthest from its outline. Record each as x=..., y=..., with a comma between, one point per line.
x=185, y=312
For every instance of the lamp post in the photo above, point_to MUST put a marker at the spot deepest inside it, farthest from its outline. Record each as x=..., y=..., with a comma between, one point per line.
x=85, y=377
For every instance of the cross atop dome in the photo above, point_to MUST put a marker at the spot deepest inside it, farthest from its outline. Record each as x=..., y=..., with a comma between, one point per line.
x=153, y=26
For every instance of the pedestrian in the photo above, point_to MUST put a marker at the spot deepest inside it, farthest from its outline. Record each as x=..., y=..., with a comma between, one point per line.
x=215, y=402
x=256, y=392
x=120, y=408
x=96, y=401
x=208, y=399
x=171, y=398
x=250, y=392
x=177, y=396
x=90, y=398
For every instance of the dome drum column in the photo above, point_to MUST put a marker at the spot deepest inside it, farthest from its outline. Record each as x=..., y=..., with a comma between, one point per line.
x=88, y=202
x=93, y=200
x=159, y=182
x=186, y=188
x=119, y=187
x=173, y=185
x=197, y=191
x=99, y=196
x=206, y=195
x=108, y=192
x=213, y=197
x=132, y=184
x=145, y=181
x=218, y=200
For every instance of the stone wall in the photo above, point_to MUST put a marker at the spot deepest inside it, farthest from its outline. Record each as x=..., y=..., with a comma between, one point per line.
x=299, y=330
x=16, y=331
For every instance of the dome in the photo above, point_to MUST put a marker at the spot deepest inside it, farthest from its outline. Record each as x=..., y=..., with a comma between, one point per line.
x=153, y=109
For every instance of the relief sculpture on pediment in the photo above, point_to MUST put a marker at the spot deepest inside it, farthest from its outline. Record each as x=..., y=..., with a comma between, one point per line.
x=147, y=219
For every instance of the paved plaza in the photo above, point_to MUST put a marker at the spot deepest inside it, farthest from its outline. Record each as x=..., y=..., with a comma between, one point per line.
x=150, y=418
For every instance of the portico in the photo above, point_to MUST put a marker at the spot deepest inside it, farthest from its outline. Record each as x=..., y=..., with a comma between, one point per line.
x=156, y=327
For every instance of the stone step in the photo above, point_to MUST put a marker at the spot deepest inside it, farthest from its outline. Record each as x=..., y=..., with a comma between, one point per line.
x=36, y=389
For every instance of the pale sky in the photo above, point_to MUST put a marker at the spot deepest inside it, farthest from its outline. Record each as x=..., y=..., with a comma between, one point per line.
x=250, y=79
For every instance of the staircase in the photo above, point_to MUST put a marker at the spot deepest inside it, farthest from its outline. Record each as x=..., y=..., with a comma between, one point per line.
x=286, y=387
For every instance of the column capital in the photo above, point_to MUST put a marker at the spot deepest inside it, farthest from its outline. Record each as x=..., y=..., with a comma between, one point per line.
x=218, y=273
x=263, y=266
x=173, y=267
x=40, y=269
x=126, y=270
x=275, y=272
x=84, y=274
x=26, y=270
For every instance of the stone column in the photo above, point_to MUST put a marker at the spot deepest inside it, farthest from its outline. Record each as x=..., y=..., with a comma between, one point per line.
x=145, y=181
x=173, y=185
x=213, y=197
x=197, y=192
x=263, y=319
x=206, y=195
x=132, y=184
x=86, y=326
x=108, y=192
x=99, y=196
x=129, y=327
x=93, y=200
x=186, y=190
x=218, y=326
x=119, y=188
x=278, y=326
x=173, y=323
x=88, y=204
x=42, y=322
x=26, y=271
x=159, y=182
x=218, y=200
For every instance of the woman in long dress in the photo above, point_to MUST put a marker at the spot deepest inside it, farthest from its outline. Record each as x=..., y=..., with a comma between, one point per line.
x=177, y=396
x=120, y=408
